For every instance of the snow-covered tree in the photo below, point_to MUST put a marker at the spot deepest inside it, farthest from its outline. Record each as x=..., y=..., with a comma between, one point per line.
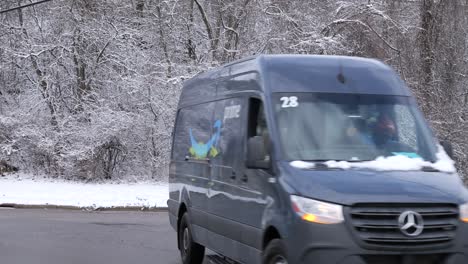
x=88, y=89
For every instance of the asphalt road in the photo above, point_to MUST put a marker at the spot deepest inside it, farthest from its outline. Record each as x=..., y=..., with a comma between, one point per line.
x=77, y=237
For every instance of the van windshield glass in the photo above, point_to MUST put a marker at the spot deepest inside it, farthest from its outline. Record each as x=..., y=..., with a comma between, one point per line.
x=349, y=127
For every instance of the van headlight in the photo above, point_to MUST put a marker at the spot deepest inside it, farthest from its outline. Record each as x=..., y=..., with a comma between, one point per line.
x=316, y=211
x=464, y=212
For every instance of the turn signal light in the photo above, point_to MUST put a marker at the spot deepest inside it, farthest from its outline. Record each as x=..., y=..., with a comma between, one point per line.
x=464, y=212
x=316, y=211
x=309, y=217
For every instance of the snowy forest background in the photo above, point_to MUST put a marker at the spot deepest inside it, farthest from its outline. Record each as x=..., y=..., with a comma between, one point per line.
x=88, y=88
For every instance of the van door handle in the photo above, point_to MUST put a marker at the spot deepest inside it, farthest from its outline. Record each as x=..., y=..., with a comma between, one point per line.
x=245, y=178
x=187, y=158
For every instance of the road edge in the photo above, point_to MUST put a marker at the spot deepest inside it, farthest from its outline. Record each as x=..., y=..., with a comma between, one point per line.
x=71, y=207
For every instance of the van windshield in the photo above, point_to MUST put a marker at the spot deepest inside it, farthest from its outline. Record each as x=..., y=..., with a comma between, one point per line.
x=350, y=127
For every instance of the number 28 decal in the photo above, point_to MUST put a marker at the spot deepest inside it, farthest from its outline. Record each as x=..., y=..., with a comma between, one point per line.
x=290, y=101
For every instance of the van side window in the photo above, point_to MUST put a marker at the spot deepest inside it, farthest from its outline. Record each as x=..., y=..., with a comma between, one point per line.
x=229, y=113
x=257, y=122
x=194, y=131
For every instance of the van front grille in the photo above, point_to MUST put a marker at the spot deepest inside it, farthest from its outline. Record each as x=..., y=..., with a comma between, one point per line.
x=379, y=225
x=399, y=259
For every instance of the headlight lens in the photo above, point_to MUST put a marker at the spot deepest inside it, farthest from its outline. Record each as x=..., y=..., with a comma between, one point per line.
x=316, y=211
x=464, y=212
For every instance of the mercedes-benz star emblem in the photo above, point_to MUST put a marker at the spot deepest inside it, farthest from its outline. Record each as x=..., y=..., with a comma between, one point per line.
x=411, y=223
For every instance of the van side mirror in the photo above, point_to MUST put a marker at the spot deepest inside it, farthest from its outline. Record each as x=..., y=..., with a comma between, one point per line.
x=256, y=154
x=448, y=148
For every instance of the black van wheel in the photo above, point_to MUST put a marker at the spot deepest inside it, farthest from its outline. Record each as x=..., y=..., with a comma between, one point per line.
x=275, y=253
x=191, y=252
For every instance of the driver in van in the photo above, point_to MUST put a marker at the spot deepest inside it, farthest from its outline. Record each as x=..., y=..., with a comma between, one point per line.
x=384, y=130
x=385, y=136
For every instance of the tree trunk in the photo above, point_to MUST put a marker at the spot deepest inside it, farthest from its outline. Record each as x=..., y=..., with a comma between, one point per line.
x=209, y=29
x=44, y=88
x=83, y=89
x=426, y=52
x=190, y=45
x=140, y=6
x=163, y=40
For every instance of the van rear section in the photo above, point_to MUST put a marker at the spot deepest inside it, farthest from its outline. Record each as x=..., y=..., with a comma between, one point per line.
x=311, y=159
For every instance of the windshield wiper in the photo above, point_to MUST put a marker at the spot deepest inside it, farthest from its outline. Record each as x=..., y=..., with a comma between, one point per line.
x=323, y=166
x=320, y=165
x=429, y=169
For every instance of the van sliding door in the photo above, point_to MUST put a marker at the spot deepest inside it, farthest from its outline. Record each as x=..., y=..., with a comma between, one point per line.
x=227, y=168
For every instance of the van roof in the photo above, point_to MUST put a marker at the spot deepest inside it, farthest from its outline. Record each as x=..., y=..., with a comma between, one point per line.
x=302, y=73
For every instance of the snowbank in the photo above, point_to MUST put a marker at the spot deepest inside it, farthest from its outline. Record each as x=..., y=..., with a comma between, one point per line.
x=30, y=191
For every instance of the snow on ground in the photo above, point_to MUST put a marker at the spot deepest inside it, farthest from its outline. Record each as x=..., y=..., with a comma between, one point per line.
x=16, y=189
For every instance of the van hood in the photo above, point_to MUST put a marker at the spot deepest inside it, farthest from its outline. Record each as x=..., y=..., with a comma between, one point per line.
x=348, y=187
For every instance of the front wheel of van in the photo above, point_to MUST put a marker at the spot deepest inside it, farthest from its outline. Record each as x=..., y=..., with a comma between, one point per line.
x=191, y=252
x=275, y=253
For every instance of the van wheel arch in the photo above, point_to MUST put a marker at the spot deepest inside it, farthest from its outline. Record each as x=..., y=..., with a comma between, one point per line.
x=182, y=211
x=270, y=234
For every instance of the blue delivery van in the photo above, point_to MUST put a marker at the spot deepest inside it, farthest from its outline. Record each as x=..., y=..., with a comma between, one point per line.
x=312, y=159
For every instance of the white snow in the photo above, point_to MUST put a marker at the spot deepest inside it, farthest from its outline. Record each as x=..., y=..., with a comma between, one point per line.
x=392, y=163
x=302, y=164
x=43, y=191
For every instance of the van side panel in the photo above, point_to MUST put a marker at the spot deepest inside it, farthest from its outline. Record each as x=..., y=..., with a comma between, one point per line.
x=227, y=166
x=229, y=234
x=189, y=168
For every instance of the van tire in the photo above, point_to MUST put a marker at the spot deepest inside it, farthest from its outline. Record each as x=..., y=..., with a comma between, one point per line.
x=190, y=252
x=275, y=253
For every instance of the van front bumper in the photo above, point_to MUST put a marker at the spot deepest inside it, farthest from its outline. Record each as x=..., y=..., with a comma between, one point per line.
x=309, y=243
